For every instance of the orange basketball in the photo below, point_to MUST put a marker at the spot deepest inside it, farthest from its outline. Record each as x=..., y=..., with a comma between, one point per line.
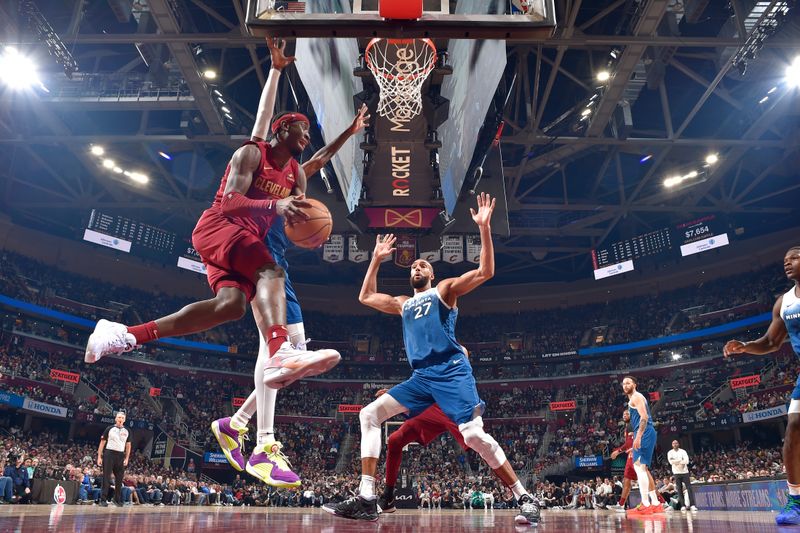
x=313, y=232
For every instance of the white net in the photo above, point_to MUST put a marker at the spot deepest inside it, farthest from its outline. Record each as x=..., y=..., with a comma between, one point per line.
x=400, y=67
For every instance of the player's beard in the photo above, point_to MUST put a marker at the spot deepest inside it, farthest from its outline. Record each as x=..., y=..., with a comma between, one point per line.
x=419, y=283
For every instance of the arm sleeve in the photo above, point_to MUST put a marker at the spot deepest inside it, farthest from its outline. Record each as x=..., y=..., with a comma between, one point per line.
x=238, y=205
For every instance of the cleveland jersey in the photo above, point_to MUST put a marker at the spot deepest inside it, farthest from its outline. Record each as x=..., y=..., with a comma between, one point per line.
x=269, y=183
x=429, y=329
x=790, y=313
x=636, y=419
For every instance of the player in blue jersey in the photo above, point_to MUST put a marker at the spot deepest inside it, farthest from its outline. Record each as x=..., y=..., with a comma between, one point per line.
x=441, y=372
x=270, y=465
x=785, y=322
x=644, y=444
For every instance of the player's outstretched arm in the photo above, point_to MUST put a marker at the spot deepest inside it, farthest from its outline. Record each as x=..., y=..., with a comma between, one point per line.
x=450, y=289
x=369, y=294
x=768, y=343
x=266, y=104
x=324, y=154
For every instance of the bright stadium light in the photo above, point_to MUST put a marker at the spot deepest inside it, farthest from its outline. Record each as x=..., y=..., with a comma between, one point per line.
x=117, y=170
x=109, y=163
x=97, y=150
x=165, y=155
x=586, y=112
x=603, y=75
x=671, y=182
x=17, y=71
x=139, y=177
x=711, y=159
x=793, y=73
x=210, y=74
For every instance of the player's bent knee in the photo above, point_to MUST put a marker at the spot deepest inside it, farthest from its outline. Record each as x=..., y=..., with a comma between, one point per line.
x=483, y=443
x=231, y=305
x=368, y=417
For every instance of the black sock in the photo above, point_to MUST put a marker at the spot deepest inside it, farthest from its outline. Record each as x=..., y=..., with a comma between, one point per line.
x=388, y=492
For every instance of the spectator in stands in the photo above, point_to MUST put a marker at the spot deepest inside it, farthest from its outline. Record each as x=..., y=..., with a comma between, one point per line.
x=19, y=477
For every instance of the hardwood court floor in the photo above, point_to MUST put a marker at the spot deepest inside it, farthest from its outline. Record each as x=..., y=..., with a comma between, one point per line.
x=86, y=519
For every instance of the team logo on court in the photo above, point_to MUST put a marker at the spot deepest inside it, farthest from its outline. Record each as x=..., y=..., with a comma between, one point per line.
x=59, y=495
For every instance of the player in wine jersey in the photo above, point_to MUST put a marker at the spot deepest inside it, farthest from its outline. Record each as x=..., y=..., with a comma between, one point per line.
x=263, y=181
x=644, y=444
x=785, y=322
x=230, y=431
x=441, y=372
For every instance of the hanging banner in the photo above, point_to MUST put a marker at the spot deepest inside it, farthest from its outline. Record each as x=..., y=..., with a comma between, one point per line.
x=431, y=257
x=401, y=217
x=353, y=253
x=333, y=250
x=568, y=405
x=405, y=251
x=746, y=381
x=238, y=402
x=155, y=391
x=453, y=248
x=63, y=375
x=655, y=396
x=474, y=248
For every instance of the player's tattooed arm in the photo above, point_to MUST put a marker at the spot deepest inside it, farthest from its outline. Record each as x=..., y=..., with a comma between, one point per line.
x=369, y=294
x=768, y=343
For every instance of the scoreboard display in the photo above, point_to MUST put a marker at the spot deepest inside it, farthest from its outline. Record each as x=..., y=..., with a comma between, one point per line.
x=691, y=237
x=128, y=235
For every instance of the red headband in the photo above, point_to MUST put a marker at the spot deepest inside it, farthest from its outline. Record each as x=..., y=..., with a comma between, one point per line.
x=288, y=117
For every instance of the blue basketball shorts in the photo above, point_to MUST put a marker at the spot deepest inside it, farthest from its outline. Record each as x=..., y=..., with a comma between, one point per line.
x=450, y=385
x=644, y=455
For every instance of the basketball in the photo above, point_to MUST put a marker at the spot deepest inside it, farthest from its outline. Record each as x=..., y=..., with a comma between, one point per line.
x=313, y=232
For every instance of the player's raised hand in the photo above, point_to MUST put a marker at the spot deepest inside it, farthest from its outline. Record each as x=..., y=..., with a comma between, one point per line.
x=291, y=208
x=360, y=121
x=732, y=347
x=383, y=246
x=485, y=207
x=276, y=51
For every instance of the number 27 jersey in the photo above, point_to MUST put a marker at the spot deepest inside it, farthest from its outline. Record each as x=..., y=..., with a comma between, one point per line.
x=429, y=329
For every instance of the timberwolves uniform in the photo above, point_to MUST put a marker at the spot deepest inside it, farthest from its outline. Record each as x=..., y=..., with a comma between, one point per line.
x=277, y=242
x=442, y=373
x=644, y=455
x=790, y=313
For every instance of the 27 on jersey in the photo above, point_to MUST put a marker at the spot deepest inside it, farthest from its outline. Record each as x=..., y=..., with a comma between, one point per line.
x=429, y=328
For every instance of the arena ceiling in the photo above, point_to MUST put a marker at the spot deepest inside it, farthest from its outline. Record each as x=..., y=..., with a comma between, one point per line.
x=697, y=78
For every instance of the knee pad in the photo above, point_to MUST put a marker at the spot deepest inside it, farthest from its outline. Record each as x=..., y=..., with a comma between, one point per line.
x=483, y=443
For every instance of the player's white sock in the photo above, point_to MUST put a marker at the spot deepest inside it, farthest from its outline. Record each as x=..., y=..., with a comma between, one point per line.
x=297, y=334
x=653, y=496
x=518, y=490
x=265, y=398
x=367, y=487
x=241, y=418
x=794, y=490
x=644, y=483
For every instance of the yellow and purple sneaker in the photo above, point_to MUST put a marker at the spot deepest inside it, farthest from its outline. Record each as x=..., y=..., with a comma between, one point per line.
x=231, y=441
x=272, y=467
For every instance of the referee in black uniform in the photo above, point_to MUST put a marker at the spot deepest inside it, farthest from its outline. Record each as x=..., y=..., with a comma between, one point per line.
x=113, y=455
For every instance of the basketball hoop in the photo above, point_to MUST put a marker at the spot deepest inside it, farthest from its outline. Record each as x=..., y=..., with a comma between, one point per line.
x=400, y=67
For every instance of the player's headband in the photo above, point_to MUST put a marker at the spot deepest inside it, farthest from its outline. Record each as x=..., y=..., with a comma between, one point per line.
x=288, y=118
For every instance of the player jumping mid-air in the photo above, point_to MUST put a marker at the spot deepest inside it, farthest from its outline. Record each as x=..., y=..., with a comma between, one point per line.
x=263, y=181
x=785, y=322
x=441, y=371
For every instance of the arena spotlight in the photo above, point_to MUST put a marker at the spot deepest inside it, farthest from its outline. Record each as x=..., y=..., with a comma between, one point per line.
x=165, y=155
x=603, y=75
x=117, y=170
x=671, y=182
x=109, y=163
x=711, y=159
x=676, y=356
x=210, y=74
x=97, y=150
x=646, y=158
x=18, y=71
x=793, y=73
x=138, y=177
x=586, y=112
